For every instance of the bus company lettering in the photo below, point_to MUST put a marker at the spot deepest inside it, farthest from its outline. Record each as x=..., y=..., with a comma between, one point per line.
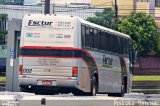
x=107, y=62
x=39, y=23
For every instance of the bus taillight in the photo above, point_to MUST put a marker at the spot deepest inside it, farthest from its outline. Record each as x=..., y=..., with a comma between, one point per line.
x=20, y=69
x=75, y=71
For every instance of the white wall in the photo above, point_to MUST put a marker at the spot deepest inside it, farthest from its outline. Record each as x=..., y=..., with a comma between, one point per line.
x=70, y=1
x=30, y=2
x=61, y=2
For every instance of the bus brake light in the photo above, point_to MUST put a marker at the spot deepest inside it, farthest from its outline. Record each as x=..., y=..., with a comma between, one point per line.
x=75, y=71
x=20, y=69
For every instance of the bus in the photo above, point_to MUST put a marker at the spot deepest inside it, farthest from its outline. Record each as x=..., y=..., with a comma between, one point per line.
x=69, y=53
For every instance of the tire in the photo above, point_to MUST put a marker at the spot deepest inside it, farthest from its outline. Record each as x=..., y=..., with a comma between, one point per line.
x=78, y=93
x=24, y=89
x=123, y=91
x=94, y=87
x=93, y=91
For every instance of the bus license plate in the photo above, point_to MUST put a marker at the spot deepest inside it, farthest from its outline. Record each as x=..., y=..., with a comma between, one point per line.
x=46, y=82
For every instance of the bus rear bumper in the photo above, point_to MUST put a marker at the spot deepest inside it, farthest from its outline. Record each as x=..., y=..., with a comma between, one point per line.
x=55, y=82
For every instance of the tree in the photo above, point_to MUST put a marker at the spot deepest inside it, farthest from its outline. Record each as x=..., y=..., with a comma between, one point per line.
x=2, y=1
x=3, y=32
x=3, y=17
x=143, y=30
x=104, y=18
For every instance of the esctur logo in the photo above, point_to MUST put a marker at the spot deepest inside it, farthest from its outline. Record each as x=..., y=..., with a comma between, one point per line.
x=39, y=23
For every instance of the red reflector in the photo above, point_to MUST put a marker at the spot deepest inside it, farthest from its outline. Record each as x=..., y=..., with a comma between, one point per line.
x=20, y=69
x=75, y=71
x=69, y=78
x=23, y=76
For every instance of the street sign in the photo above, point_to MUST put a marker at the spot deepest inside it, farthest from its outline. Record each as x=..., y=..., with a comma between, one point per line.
x=11, y=53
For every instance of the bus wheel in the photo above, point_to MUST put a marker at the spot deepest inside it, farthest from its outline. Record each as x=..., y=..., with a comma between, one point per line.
x=24, y=89
x=94, y=87
x=123, y=89
x=78, y=93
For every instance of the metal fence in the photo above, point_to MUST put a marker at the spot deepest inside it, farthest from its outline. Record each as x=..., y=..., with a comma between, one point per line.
x=18, y=11
x=82, y=12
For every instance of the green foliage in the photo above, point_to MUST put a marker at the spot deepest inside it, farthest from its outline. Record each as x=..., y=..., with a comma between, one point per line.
x=3, y=18
x=2, y=33
x=143, y=30
x=140, y=26
x=104, y=18
x=3, y=2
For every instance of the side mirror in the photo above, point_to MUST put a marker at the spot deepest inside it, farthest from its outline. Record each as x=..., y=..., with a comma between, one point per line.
x=134, y=56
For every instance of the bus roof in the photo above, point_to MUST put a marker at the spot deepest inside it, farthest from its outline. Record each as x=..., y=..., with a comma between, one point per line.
x=83, y=22
x=103, y=28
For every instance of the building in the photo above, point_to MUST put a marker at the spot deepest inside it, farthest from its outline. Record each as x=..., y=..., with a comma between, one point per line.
x=30, y=2
x=151, y=7
x=125, y=7
x=56, y=2
x=18, y=2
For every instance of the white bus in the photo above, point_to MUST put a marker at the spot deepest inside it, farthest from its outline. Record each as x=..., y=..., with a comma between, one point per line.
x=69, y=53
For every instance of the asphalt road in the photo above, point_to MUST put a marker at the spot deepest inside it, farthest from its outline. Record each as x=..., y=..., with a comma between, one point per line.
x=30, y=99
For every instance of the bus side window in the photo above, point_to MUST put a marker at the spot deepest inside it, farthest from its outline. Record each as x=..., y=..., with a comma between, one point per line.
x=127, y=47
x=114, y=43
x=119, y=45
x=107, y=41
x=99, y=39
x=122, y=46
x=91, y=38
x=103, y=41
x=96, y=39
x=83, y=28
x=110, y=42
x=87, y=40
x=130, y=51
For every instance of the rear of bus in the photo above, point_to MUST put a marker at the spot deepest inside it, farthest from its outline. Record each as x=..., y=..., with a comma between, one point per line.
x=47, y=56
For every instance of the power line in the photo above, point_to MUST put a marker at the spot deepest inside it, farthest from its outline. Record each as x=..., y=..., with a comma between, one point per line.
x=116, y=9
x=47, y=7
x=80, y=9
x=74, y=10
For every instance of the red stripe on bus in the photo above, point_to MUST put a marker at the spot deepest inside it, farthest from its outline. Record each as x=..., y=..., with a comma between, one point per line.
x=48, y=47
x=49, y=56
x=59, y=48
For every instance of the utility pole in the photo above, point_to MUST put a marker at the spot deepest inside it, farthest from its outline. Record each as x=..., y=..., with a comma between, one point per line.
x=116, y=9
x=47, y=7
